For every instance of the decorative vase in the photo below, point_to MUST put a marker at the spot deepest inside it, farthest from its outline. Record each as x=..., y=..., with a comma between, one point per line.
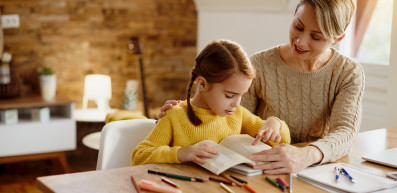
x=48, y=85
x=130, y=98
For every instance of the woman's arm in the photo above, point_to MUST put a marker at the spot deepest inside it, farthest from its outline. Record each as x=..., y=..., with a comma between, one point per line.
x=344, y=124
x=345, y=118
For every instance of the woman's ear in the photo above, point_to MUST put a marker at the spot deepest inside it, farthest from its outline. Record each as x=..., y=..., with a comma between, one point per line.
x=337, y=40
x=201, y=83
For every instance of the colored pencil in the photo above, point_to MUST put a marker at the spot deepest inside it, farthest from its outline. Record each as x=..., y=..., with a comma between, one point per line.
x=282, y=182
x=222, y=180
x=231, y=179
x=271, y=181
x=177, y=176
x=249, y=188
x=169, y=182
x=238, y=179
x=135, y=185
x=281, y=185
x=227, y=189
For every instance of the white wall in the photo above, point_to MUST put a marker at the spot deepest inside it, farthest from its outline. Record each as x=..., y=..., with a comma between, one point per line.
x=392, y=84
x=254, y=31
x=255, y=24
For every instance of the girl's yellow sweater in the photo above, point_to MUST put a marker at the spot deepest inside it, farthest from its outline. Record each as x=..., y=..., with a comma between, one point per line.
x=174, y=131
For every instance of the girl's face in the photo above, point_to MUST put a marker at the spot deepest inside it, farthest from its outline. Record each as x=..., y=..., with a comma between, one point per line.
x=223, y=98
x=306, y=39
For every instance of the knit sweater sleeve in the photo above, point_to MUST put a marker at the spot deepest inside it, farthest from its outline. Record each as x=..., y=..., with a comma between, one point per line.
x=252, y=123
x=345, y=118
x=156, y=147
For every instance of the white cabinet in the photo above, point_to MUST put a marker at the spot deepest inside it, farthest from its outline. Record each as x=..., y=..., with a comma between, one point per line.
x=30, y=136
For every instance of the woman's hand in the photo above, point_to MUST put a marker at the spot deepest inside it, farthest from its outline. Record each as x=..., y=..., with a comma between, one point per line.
x=196, y=152
x=286, y=158
x=168, y=105
x=270, y=131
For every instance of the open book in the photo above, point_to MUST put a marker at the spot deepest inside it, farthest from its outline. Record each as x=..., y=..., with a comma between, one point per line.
x=232, y=151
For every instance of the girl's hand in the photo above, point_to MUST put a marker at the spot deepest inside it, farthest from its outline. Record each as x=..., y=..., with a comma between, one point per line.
x=286, y=158
x=196, y=152
x=270, y=131
x=168, y=105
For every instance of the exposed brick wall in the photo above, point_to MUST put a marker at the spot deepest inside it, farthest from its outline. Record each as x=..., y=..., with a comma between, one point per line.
x=80, y=37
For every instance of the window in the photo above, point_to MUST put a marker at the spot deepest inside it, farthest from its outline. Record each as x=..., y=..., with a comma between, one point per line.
x=375, y=44
x=372, y=31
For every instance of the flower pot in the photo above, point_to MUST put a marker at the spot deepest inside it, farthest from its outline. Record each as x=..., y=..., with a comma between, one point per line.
x=48, y=85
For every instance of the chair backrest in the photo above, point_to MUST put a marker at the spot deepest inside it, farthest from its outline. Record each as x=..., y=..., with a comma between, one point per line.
x=97, y=87
x=118, y=140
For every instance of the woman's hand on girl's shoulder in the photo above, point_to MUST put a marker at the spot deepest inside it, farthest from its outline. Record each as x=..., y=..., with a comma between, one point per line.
x=167, y=106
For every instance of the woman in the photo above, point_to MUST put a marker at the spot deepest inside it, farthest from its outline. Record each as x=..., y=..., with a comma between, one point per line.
x=314, y=88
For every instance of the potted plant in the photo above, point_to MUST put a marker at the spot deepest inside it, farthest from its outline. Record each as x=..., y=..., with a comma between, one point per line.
x=48, y=83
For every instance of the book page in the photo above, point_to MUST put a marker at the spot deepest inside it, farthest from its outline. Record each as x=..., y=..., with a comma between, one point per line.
x=242, y=144
x=225, y=159
x=245, y=170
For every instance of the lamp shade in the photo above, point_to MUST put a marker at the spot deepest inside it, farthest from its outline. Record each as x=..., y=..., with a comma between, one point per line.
x=97, y=86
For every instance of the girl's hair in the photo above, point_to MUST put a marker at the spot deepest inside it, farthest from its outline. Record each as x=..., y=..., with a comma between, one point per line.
x=217, y=62
x=333, y=16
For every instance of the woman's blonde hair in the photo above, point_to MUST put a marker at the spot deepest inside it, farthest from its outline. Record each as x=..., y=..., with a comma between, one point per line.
x=333, y=16
x=216, y=62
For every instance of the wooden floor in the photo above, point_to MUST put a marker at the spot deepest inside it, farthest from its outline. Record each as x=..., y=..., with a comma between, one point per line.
x=21, y=177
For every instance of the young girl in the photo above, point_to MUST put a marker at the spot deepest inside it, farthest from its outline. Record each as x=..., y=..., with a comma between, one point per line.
x=223, y=73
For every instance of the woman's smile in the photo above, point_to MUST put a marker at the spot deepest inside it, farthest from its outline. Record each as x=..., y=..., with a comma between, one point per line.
x=300, y=50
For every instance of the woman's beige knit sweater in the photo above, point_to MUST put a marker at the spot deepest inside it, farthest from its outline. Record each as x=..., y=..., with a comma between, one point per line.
x=322, y=106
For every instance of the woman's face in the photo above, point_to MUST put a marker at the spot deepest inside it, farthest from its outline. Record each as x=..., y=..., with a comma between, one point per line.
x=306, y=39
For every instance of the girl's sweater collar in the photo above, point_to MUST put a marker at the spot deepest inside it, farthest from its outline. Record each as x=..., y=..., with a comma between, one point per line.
x=199, y=110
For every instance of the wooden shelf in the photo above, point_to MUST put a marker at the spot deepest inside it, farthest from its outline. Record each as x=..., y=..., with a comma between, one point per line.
x=30, y=102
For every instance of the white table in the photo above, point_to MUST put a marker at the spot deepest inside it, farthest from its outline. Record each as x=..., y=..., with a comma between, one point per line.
x=92, y=140
x=91, y=114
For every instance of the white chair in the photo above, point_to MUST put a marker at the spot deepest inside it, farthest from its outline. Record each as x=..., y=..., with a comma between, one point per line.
x=118, y=140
